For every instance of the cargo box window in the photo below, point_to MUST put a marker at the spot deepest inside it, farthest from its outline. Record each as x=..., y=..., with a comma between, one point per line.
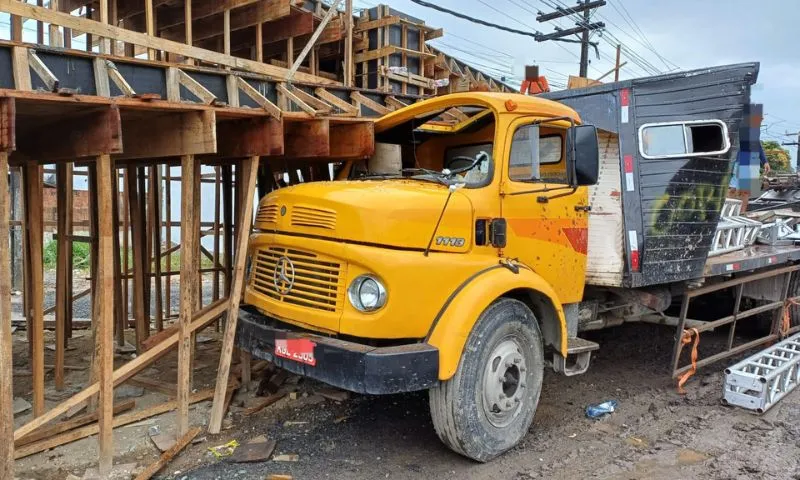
x=683, y=139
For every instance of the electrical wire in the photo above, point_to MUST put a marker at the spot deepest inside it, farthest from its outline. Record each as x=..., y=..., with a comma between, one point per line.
x=462, y=16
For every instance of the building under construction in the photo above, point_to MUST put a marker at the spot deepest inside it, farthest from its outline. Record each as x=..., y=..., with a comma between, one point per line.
x=149, y=100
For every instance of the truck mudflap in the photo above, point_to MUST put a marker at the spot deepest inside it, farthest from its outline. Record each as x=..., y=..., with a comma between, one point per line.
x=348, y=365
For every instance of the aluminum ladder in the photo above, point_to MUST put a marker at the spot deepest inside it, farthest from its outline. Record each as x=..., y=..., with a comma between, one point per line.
x=760, y=381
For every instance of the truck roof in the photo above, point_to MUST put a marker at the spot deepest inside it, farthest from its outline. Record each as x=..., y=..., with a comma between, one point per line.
x=524, y=104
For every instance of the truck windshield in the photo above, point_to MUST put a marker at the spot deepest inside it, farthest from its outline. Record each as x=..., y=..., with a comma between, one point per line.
x=447, y=146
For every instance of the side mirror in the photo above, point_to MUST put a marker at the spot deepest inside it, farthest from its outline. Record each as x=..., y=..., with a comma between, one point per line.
x=583, y=155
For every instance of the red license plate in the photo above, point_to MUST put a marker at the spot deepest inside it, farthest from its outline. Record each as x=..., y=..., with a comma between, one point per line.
x=297, y=349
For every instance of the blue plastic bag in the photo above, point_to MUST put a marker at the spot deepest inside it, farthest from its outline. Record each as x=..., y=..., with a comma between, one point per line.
x=600, y=409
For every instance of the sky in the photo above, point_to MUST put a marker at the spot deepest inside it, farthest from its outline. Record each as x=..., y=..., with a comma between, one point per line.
x=667, y=34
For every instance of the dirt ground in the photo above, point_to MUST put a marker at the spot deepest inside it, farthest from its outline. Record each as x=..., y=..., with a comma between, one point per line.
x=655, y=433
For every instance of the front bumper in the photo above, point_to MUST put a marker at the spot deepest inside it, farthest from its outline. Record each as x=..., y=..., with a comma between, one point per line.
x=347, y=365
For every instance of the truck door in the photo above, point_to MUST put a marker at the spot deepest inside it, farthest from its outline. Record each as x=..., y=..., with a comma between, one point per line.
x=547, y=219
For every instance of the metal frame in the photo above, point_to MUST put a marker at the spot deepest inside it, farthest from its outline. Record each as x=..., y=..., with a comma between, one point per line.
x=730, y=350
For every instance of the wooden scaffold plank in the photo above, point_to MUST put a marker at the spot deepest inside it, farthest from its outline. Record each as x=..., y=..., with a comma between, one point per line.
x=34, y=193
x=6, y=379
x=190, y=180
x=249, y=175
x=63, y=260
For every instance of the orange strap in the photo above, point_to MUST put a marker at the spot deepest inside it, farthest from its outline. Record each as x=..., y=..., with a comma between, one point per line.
x=787, y=317
x=686, y=339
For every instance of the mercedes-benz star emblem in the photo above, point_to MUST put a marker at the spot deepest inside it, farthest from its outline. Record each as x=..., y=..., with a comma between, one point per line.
x=283, y=277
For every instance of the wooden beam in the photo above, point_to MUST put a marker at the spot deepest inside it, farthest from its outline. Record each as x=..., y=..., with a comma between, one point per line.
x=259, y=42
x=250, y=137
x=167, y=456
x=240, y=18
x=289, y=95
x=101, y=77
x=21, y=68
x=352, y=140
x=226, y=31
x=320, y=106
x=195, y=87
x=119, y=80
x=42, y=14
x=248, y=177
x=349, y=64
x=8, y=122
x=94, y=133
x=390, y=50
x=169, y=135
x=66, y=426
x=34, y=192
x=6, y=339
x=200, y=320
x=150, y=25
x=313, y=40
x=188, y=32
x=104, y=316
x=63, y=257
x=394, y=103
x=190, y=180
x=137, y=220
x=379, y=23
x=155, y=225
x=172, y=16
x=370, y=103
x=307, y=139
x=257, y=97
x=42, y=71
x=340, y=103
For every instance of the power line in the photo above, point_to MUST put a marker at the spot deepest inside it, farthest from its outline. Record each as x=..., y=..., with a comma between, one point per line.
x=462, y=16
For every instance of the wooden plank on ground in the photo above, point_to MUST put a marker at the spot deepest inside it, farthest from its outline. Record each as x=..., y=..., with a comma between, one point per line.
x=165, y=458
x=249, y=175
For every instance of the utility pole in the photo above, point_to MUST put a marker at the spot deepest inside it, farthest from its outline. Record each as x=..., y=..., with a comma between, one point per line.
x=794, y=144
x=583, y=28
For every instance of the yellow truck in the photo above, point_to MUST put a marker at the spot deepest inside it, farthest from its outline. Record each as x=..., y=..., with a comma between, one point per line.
x=454, y=260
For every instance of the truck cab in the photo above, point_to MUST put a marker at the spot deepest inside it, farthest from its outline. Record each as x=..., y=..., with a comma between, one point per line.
x=443, y=262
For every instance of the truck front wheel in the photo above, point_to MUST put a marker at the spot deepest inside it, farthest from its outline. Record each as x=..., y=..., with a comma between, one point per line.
x=487, y=407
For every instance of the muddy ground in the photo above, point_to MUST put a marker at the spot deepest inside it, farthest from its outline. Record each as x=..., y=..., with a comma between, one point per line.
x=655, y=433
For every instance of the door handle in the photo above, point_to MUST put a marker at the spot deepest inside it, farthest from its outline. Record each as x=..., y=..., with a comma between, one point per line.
x=583, y=208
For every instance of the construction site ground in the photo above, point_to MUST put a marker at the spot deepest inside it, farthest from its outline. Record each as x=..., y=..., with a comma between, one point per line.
x=654, y=434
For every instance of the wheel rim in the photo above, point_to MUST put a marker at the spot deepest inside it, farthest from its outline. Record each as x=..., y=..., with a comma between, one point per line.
x=504, y=383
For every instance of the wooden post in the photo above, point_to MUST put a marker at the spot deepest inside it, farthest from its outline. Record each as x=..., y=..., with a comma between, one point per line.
x=54, y=33
x=227, y=220
x=260, y=42
x=125, y=249
x=104, y=314
x=187, y=22
x=6, y=377
x=150, y=25
x=114, y=14
x=616, y=64
x=226, y=31
x=137, y=225
x=155, y=225
x=348, y=44
x=332, y=10
x=105, y=43
x=168, y=238
x=34, y=280
x=120, y=317
x=248, y=179
x=190, y=180
x=217, y=227
x=63, y=271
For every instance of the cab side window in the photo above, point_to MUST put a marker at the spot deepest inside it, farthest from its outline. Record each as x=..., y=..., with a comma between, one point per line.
x=535, y=157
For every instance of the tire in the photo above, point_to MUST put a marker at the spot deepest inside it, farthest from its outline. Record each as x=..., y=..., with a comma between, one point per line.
x=504, y=344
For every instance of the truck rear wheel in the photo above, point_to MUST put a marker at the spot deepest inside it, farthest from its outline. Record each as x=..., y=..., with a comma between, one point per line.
x=487, y=407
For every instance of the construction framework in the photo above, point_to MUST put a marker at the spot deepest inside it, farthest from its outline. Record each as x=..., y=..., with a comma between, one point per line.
x=126, y=112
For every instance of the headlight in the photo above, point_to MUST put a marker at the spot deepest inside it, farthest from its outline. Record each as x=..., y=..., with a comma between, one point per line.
x=367, y=293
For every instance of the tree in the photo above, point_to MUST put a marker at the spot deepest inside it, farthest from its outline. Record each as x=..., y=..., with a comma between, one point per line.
x=780, y=161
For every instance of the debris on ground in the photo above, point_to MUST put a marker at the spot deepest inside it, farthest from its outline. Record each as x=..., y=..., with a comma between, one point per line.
x=168, y=455
x=224, y=450
x=258, y=449
x=601, y=409
x=21, y=405
x=162, y=441
x=286, y=457
x=118, y=472
x=333, y=394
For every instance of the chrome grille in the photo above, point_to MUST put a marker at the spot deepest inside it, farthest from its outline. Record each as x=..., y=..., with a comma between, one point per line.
x=315, y=217
x=267, y=214
x=317, y=282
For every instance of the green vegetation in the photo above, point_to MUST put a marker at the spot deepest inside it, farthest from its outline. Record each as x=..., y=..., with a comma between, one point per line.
x=780, y=161
x=81, y=258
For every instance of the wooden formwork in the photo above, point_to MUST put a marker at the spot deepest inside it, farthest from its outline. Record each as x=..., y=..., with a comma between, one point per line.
x=129, y=124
